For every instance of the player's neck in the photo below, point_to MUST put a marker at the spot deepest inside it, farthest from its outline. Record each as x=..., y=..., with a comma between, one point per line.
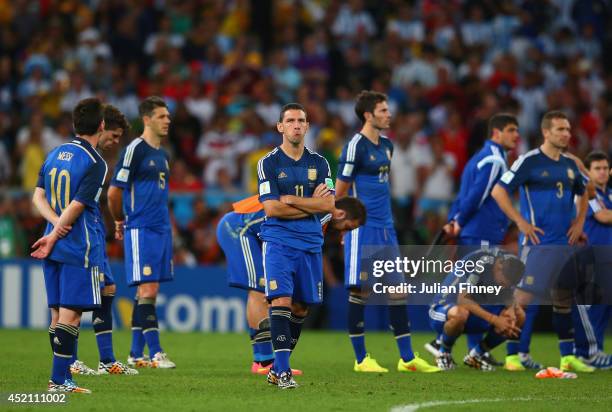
x=151, y=138
x=92, y=140
x=294, y=152
x=550, y=151
x=370, y=133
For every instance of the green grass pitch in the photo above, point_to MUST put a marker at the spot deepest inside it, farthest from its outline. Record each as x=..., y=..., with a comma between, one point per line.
x=213, y=374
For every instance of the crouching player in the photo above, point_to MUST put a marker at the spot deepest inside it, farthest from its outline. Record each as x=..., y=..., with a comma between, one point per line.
x=452, y=314
x=238, y=236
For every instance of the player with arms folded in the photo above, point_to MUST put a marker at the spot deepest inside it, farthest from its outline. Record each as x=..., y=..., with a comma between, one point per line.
x=292, y=235
x=238, y=236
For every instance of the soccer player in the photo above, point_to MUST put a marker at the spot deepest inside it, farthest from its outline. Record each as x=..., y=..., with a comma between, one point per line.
x=548, y=182
x=72, y=177
x=238, y=236
x=116, y=125
x=460, y=312
x=592, y=320
x=475, y=219
x=292, y=235
x=138, y=201
x=363, y=172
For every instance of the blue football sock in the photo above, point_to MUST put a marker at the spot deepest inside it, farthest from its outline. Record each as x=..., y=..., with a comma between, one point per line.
x=527, y=329
x=252, y=333
x=295, y=324
x=473, y=340
x=103, y=327
x=63, y=349
x=138, y=342
x=398, y=318
x=490, y=342
x=563, y=325
x=263, y=343
x=356, y=327
x=447, y=342
x=150, y=327
x=281, y=337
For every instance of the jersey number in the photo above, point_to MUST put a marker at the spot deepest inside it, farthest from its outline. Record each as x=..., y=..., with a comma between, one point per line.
x=560, y=190
x=56, y=191
x=162, y=180
x=299, y=190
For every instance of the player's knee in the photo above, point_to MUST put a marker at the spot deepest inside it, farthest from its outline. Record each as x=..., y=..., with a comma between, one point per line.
x=282, y=301
x=522, y=298
x=458, y=315
x=109, y=290
x=148, y=290
x=69, y=317
x=54, y=316
x=299, y=309
x=358, y=293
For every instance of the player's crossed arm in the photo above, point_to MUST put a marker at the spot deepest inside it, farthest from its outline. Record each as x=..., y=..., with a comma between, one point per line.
x=504, y=324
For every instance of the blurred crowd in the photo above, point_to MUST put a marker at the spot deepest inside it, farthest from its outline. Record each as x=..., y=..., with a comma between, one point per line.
x=226, y=68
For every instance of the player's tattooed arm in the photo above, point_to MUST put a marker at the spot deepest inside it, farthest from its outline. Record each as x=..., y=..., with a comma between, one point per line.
x=39, y=200
x=44, y=245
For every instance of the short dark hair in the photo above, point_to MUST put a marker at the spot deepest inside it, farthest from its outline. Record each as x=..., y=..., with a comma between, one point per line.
x=290, y=106
x=87, y=116
x=595, y=156
x=367, y=101
x=500, y=121
x=550, y=116
x=354, y=208
x=114, y=119
x=512, y=268
x=148, y=105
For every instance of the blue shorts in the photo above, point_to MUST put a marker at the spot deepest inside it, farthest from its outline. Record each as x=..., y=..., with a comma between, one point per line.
x=354, y=241
x=474, y=324
x=71, y=286
x=292, y=272
x=148, y=255
x=243, y=255
x=547, y=267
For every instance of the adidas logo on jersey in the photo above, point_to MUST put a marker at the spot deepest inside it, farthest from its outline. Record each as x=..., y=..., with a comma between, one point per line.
x=282, y=175
x=152, y=163
x=97, y=321
x=545, y=173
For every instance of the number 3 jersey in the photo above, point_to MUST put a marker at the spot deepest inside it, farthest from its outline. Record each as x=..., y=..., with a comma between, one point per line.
x=143, y=172
x=366, y=165
x=75, y=171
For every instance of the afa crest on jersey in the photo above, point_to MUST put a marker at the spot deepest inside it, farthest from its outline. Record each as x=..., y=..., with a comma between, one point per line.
x=571, y=174
x=312, y=174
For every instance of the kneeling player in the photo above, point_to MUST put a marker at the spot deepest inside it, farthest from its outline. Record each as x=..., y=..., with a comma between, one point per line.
x=453, y=314
x=237, y=234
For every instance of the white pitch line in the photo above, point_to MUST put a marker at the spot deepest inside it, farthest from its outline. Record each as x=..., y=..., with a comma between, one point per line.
x=416, y=406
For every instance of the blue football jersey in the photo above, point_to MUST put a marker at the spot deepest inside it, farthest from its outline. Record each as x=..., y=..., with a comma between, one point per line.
x=598, y=233
x=367, y=166
x=143, y=173
x=279, y=175
x=547, y=189
x=75, y=171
